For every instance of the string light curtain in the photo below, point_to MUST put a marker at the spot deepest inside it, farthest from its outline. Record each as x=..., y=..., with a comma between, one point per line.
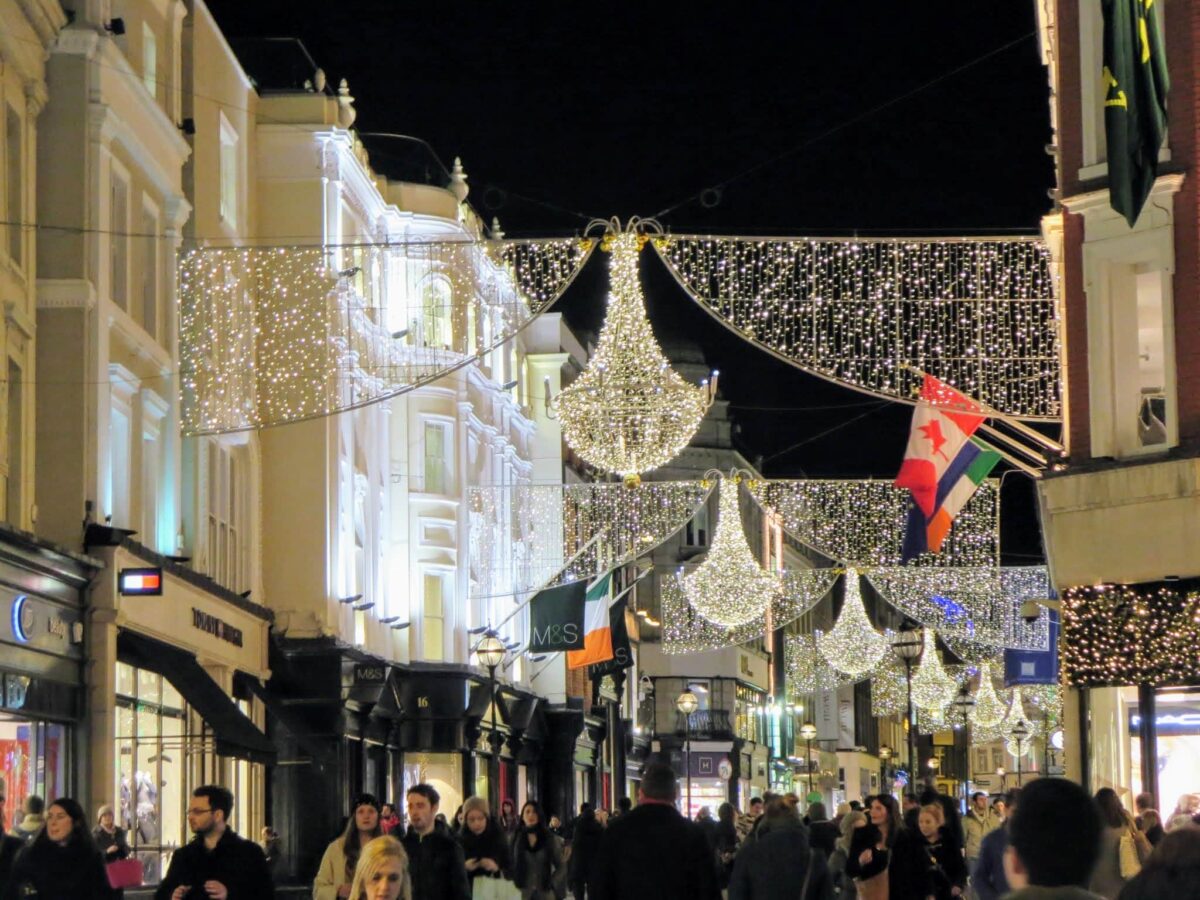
x=932, y=687
x=889, y=688
x=807, y=670
x=988, y=711
x=853, y=646
x=270, y=335
x=629, y=412
x=979, y=313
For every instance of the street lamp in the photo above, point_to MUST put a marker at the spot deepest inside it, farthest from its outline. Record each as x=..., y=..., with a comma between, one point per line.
x=687, y=703
x=964, y=704
x=490, y=654
x=1020, y=733
x=1003, y=780
x=908, y=646
x=885, y=753
x=808, y=731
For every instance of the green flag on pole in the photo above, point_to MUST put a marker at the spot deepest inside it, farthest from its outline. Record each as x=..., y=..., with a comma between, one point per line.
x=1135, y=101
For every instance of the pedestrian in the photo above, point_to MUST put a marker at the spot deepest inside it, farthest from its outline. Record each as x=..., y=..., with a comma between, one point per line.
x=912, y=808
x=32, y=817
x=654, y=852
x=1173, y=869
x=388, y=820
x=109, y=837
x=843, y=885
x=1148, y=820
x=780, y=864
x=584, y=843
x=944, y=861
x=624, y=805
x=977, y=824
x=508, y=817
x=951, y=820
x=457, y=823
x=822, y=834
x=216, y=864
x=485, y=847
x=538, y=868
x=1185, y=811
x=842, y=809
x=272, y=848
x=435, y=860
x=336, y=871
x=1000, y=807
x=726, y=846
x=1116, y=864
x=885, y=858
x=988, y=881
x=382, y=871
x=557, y=827
x=1054, y=834
x=60, y=861
x=9, y=844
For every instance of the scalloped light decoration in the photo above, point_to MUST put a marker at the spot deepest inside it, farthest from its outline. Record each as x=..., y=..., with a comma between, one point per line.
x=853, y=645
x=988, y=710
x=932, y=687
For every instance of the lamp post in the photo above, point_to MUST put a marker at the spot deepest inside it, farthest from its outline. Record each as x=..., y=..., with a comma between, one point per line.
x=1003, y=780
x=1020, y=733
x=885, y=753
x=908, y=646
x=808, y=731
x=964, y=704
x=686, y=703
x=490, y=654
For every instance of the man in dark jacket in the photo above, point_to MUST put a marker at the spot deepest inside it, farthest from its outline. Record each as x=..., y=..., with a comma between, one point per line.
x=588, y=832
x=780, y=865
x=653, y=851
x=435, y=860
x=9, y=844
x=822, y=834
x=1054, y=841
x=987, y=878
x=217, y=864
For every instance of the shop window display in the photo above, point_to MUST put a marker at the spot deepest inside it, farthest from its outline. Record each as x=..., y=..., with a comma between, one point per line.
x=33, y=760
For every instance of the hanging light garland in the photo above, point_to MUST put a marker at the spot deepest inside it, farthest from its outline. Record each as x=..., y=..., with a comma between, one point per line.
x=888, y=687
x=853, y=646
x=730, y=587
x=807, y=670
x=932, y=688
x=630, y=412
x=979, y=313
x=988, y=710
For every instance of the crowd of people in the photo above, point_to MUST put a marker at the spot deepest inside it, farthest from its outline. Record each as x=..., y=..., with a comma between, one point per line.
x=1049, y=841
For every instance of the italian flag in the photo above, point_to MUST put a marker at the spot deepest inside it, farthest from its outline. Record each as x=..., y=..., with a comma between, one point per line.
x=597, y=633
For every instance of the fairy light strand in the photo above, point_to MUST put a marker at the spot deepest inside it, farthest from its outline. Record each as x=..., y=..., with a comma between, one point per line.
x=853, y=646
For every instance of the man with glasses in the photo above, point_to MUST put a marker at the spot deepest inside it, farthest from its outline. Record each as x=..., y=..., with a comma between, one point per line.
x=217, y=864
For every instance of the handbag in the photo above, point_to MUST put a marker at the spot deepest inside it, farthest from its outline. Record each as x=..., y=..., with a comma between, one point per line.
x=484, y=888
x=1127, y=855
x=876, y=887
x=124, y=873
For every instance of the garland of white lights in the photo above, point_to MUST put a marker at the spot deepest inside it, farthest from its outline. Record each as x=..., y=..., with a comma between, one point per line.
x=889, y=688
x=978, y=313
x=932, y=687
x=730, y=587
x=271, y=335
x=807, y=670
x=853, y=646
x=630, y=412
x=988, y=711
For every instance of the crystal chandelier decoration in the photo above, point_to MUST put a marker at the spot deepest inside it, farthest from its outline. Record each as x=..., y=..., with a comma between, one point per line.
x=730, y=587
x=932, y=688
x=988, y=710
x=853, y=645
x=630, y=412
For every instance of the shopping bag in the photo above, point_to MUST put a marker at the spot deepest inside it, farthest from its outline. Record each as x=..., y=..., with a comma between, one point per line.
x=485, y=888
x=124, y=873
x=1131, y=864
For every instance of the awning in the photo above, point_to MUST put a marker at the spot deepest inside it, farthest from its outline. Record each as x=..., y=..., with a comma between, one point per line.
x=234, y=733
x=293, y=723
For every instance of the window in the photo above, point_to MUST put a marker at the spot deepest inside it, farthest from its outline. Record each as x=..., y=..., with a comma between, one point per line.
x=150, y=60
x=227, y=532
x=119, y=454
x=695, y=533
x=15, y=513
x=34, y=759
x=228, y=172
x=1151, y=365
x=433, y=618
x=436, y=297
x=118, y=239
x=151, y=473
x=14, y=184
x=436, y=474
x=148, y=265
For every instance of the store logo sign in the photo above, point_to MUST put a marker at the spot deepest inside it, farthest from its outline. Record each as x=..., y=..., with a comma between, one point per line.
x=210, y=624
x=22, y=619
x=140, y=582
x=1185, y=720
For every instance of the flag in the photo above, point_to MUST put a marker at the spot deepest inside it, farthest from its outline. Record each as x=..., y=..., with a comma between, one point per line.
x=1135, y=101
x=556, y=618
x=597, y=633
x=622, y=657
x=1034, y=666
x=942, y=422
x=960, y=481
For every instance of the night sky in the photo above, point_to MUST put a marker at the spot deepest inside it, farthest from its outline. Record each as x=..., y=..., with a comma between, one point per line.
x=801, y=118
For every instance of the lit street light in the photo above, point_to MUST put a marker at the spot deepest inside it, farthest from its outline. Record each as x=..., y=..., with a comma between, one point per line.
x=687, y=703
x=808, y=731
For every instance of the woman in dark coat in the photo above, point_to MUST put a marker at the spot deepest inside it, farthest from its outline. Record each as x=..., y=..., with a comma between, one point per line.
x=586, y=840
x=944, y=861
x=537, y=858
x=888, y=851
x=109, y=837
x=62, y=861
x=726, y=843
x=485, y=846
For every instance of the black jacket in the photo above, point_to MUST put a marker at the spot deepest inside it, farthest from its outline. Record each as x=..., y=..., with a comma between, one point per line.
x=492, y=844
x=9, y=848
x=774, y=867
x=653, y=852
x=822, y=836
x=73, y=872
x=237, y=863
x=437, y=867
x=104, y=840
x=908, y=878
x=946, y=867
x=586, y=842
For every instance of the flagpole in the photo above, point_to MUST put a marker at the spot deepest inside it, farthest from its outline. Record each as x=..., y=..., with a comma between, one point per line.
x=1013, y=461
x=1020, y=448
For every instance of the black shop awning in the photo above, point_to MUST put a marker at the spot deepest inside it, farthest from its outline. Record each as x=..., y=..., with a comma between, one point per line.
x=234, y=733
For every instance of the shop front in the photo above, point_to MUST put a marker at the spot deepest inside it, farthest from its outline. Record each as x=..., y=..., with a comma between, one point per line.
x=174, y=662
x=42, y=746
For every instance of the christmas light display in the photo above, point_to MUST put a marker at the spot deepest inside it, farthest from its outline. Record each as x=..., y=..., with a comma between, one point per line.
x=889, y=688
x=807, y=670
x=988, y=710
x=271, y=335
x=853, y=646
x=979, y=313
x=730, y=587
x=932, y=687
x=630, y=412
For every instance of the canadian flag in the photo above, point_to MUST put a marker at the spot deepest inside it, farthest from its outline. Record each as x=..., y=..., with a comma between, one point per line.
x=942, y=423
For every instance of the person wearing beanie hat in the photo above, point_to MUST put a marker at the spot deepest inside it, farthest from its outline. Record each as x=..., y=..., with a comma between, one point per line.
x=336, y=872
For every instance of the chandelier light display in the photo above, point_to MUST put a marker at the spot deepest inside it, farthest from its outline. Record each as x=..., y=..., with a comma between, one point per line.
x=888, y=687
x=630, y=412
x=988, y=710
x=853, y=645
x=932, y=688
x=979, y=313
x=730, y=587
x=807, y=670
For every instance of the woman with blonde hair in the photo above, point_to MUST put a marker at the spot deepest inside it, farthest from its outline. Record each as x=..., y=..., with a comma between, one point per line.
x=382, y=871
x=843, y=884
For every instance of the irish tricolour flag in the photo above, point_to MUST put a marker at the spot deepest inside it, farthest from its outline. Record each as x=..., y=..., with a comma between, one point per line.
x=597, y=634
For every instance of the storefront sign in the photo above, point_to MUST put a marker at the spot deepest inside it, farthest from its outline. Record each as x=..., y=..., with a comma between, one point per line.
x=210, y=624
x=1169, y=720
x=140, y=582
x=370, y=673
x=22, y=619
x=33, y=621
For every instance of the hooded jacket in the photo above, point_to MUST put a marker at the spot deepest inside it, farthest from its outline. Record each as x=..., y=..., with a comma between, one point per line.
x=776, y=865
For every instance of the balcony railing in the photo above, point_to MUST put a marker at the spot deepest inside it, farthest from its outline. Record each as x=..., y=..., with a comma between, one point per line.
x=704, y=724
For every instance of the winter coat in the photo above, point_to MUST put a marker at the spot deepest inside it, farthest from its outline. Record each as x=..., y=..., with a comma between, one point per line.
x=976, y=828
x=539, y=871
x=988, y=880
x=656, y=853
x=437, y=866
x=493, y=844
x=332, y=871
x=726, y=852
x=115, y=838
x=946, y=867
x=588, y=832
x=30, y=825
x=775, y=866
x=73, y=872
x=237, y=863
x=9, y=848
x=823, y=836
x=907, y=876
x=1106, y=877
x=844, y=887
x=1065, y=892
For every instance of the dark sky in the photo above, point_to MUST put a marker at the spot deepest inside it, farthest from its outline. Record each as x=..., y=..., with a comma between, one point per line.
x=807, y=118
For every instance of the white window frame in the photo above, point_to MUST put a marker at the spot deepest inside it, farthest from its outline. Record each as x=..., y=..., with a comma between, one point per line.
x=150, y=268
x=447, y=425
x=123, y=388
x=150, y=60
x=152, y=468
x=445, y=576
x=118, y=238
x=15, y=191
x=228, y=158
x=226, y=531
